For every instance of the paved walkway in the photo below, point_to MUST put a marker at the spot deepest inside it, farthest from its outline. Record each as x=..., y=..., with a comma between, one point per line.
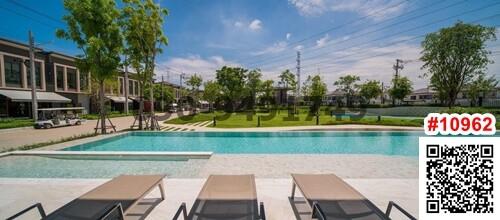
x=16, y=137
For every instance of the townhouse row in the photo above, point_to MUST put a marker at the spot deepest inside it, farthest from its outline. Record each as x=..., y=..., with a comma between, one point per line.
x=58, y=81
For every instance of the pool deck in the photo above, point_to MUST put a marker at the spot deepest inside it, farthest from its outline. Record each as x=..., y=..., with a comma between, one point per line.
x=53, y=193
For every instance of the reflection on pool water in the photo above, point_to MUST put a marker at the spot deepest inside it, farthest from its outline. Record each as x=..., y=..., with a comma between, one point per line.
x=349, y=142
x=47, y=167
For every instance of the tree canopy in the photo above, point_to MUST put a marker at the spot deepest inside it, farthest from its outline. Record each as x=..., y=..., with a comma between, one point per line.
x=347, y=84
x=288, y=79
x=455, y=56
x=370, y=89
x=93, y=26
x=480, y=86
x=402, y=87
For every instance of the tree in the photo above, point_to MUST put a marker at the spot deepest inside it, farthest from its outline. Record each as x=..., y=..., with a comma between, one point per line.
x=455, y=56
x=478, y=87
x=267, y=96
x=318, y=90
x=195, y=82
x=306, y=87
x=347, y=84
x=161, y=93
x=142, y=23
x=402, y=87
x=93, y=26
x=370, y=89
x=288, y=79
x=232, y=83
x=253, y=85
x=212, y=92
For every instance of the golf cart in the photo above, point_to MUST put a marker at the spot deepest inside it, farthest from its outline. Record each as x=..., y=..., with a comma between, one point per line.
x=58, y=117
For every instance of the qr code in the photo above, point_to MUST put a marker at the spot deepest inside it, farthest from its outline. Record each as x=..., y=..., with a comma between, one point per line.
x=459, y=178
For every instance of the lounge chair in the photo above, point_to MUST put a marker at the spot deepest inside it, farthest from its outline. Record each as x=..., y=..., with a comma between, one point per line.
x=111, y=200
x=331, y=198
x=225, y=197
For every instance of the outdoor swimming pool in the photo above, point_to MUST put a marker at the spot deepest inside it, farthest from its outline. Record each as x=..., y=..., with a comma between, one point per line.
x=332, y=142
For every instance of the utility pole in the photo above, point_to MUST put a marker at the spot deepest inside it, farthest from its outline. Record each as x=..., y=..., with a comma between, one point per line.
x=34, y=103
x=297, y=92
x=162, y=95
x=125, y=84
x=397, y=67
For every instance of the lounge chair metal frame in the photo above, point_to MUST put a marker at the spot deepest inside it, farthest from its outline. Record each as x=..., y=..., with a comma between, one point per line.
x=37, y=205
x=242, y=192
x=115, y=208
x=107, y=210
x=183, y=210
x=318, y=213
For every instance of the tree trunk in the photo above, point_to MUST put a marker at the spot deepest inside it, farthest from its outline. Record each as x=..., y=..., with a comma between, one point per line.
x=102, y=107
x=151, y=101
x=141, y=106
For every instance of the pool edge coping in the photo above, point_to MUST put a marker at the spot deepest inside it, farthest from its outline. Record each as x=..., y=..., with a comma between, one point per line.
x=166, y=154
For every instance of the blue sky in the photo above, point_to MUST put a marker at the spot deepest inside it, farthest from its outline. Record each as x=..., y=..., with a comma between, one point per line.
x=335, y=37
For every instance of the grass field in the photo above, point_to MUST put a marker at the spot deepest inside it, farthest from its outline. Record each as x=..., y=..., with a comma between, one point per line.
x=242, y=120
x=15, y=123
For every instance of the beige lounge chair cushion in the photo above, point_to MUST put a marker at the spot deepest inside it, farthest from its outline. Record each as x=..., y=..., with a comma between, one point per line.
x=325, y=187
x=125, y=189
x=229, y=187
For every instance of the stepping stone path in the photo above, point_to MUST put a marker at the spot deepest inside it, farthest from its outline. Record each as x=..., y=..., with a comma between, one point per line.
x=186, y=127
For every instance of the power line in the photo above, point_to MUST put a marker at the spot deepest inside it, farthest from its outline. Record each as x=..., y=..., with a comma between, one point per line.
x=35, y=11
x=376, y=30
x=404, y=31
x=393, y=52
x=339, y=26
x=28, y=17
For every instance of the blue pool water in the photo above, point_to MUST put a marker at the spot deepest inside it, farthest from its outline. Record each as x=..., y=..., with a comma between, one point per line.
x=351, y=142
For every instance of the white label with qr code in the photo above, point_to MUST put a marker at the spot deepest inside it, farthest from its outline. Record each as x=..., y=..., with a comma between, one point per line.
x=456, y=178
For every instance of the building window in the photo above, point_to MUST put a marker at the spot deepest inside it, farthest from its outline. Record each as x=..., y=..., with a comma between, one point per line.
x=84, y=81
x=60, y=78
x=130, y=87
x=38, y=75
x=413, y=97
x=71, y=77
x=13, y=69
x=122, y=86
x=136, y=88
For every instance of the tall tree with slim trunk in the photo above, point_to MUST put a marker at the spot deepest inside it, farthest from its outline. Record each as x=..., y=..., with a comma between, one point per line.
x=195, y=81
x=142, y=23
x=93, y=26
x=455, y=56
x=369, y=90
x=347, y=84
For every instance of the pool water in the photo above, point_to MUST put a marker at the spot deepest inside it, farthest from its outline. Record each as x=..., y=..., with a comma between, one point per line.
x=47, y=167
x=343, y=142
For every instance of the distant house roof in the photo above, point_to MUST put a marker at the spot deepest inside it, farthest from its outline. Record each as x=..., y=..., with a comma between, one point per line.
x=424, y=91
x=336, y=93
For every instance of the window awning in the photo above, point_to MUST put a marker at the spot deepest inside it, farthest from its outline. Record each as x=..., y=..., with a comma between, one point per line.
x=117, y=99
x=25, y=96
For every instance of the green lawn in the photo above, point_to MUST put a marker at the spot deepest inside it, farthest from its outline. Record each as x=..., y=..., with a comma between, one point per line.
x=15, y=123
x=110, y=115
x=241, y=120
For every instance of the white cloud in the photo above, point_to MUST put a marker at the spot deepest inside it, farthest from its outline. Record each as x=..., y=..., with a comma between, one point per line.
x=206, y=67
x=288, y=35
x=275, y=48
x=375, y=9
x=322, y=41
x=299, y=47
x=238, y=24
x=255, y=25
